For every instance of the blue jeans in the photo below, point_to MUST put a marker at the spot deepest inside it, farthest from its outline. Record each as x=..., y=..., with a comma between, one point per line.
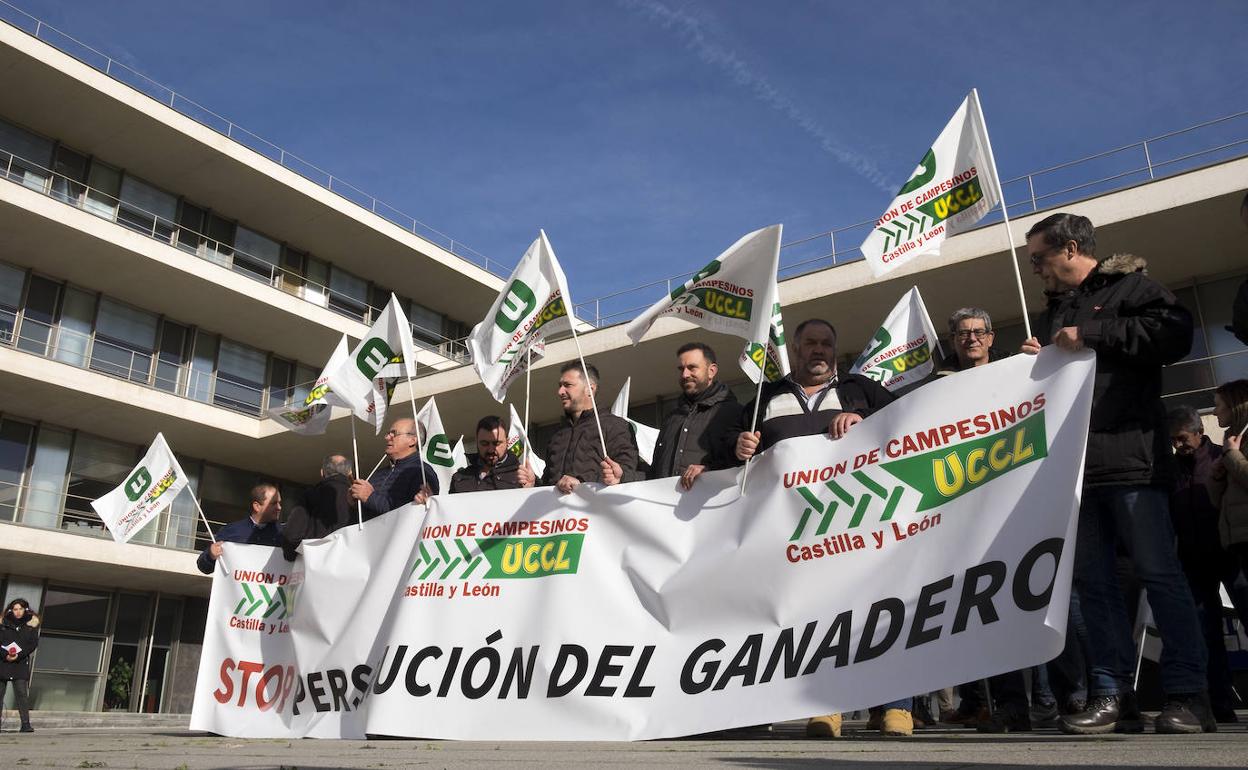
x=1139, y=517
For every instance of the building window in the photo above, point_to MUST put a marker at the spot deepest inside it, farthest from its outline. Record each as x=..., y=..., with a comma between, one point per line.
x=69, y=665
x=348, y=294
x=38, y=312
x=96, y=467
x=105, y=185
x=73, y=332
x=125, y=339
x=12, y=283
x=71, y=173
x=171, y=358
x=14, y=454
x=26, y=157
x=240, y=378
x=203, y=364
x=146, y=209
x=255, y=255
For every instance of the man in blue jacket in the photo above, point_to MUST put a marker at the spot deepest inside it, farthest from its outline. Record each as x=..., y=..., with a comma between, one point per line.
x=260, y=528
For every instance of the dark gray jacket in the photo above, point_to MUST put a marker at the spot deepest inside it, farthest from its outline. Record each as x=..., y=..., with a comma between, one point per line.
x=575, y=449
x=697, y=432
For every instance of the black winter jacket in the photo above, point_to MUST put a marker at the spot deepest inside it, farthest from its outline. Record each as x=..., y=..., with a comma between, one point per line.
x=326, y=507
x=575, y=449
x=1135, y=325
x=501, y=476
x=1193, y=513
x=26, y=636
x=697, y=432
x=783, y=412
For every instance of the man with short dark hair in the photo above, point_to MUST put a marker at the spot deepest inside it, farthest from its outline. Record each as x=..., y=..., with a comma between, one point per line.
x=403, y=481
x=1135, y=326
x=574, y=454
x=326, y=507
x=492, y=467
x=694, y=436
x=260, y=528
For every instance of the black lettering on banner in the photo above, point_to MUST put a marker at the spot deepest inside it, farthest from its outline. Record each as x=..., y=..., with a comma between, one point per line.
x=1023, y=597
x=416, y=688
x=359, y=677
x=925, y=610
x=606, y=668
x=709, y=669
x=973, y=598
x=449, y=677
x=835, y=644
x=744, y=664
x=338, y=688
x=896, y=610
x=317, y=692
x=384, y=680
x=635, y=688
x=792, y=655
x=300, y=695
x=566, y=652
x=492, y=659
x=519, y=672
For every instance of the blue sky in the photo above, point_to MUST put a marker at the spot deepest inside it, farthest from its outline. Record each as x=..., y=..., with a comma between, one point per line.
x=647, y=135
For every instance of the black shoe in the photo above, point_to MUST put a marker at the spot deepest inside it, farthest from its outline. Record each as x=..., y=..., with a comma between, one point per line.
x=1100, y=716
x=1004, y=721
x=1044, y=714
x=1186, y=714
x=27, y=729
x=1129, y=718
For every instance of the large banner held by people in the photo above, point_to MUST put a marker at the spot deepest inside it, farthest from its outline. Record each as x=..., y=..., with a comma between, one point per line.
x=933, y=544
x=953, y=187
x=905, y=349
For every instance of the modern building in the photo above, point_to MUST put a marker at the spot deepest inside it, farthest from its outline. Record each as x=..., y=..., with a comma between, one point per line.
x=163, y=270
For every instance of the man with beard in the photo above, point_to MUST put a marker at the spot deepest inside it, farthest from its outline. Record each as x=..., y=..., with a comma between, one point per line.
x=694, y=436
x=492, y=467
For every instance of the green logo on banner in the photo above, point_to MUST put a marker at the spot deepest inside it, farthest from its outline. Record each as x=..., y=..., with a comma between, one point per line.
x=948, y=473
x=959, y=198
x=439, y=451
x=259, y=601
x=518, y=302
x=373, y=355
x=924, y=174
x=531, y=557
x=137, y=484
x=711, y=268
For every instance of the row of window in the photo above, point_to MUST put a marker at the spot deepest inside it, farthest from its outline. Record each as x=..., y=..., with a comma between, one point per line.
x=49, y=475
x=87, y=329
x=94, y=186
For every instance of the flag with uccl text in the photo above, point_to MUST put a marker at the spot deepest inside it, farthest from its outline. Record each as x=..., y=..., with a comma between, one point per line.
x=311, y=417
x=436, y=447
x=534, y=304
x=735, y=293
x=152, y=485
x=517, y=440
x=954, y=186
x=360, y=381
x=905, y=349
x=645, y=436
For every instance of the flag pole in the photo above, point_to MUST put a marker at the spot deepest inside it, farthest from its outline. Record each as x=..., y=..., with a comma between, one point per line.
x=758, y=399
x=528, y=374
x=355, y=454
x=202, y=517
x=411, y=395
x=592, y=402
x=1005, y=214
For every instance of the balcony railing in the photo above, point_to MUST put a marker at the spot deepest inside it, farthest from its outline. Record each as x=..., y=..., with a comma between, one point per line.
x=71, y=192
x=37, y=28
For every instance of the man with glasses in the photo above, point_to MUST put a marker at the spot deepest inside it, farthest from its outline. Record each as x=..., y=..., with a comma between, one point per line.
x=1135, y=326
x=401, y=481
x=970, y=332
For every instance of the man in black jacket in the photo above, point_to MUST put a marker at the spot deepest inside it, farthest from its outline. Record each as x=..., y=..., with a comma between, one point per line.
x=492, y=467
x=1135, y=326
x=694, y=436
x=327, y=506
x=574, y=454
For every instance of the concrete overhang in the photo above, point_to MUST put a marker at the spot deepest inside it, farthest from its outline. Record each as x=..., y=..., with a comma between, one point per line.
x=93, y=113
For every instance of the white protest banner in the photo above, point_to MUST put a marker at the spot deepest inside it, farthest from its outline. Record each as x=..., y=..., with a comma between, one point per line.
x=850, y=573
x=436, y=447
x=312, y=417
x=645, y=436
x=535, y=304
x=905, y=349
x=735, y=293
x=517, y=440
x=152, y=485
x=360, y=380
x=952, y=188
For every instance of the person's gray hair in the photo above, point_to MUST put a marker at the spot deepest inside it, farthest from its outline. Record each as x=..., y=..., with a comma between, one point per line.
x=339, y=464
x=965, y=313
x=1185, y=418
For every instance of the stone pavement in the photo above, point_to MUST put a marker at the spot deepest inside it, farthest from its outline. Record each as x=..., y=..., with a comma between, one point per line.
x=174, y=748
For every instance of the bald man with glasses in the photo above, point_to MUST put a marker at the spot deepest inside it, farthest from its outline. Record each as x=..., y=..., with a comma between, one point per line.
x=400, y=480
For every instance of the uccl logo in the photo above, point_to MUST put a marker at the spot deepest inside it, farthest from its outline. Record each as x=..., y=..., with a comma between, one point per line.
x=518, y=303
x=940, y=475
x=439, y=451
x=262, y=602
x=374, y=354
x=505, y=557
x=138, y=483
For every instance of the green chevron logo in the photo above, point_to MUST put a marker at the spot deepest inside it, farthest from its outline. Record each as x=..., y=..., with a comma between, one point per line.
x=259, y=601
x=904, y=228
x=442, y=563
x=871, y=496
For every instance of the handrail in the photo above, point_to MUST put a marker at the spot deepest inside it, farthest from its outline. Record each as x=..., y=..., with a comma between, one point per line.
x=284, y=158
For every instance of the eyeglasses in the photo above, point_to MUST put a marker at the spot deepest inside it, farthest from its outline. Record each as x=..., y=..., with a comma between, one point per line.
x=1038, y=258
x=965, y=334
x=393, y=433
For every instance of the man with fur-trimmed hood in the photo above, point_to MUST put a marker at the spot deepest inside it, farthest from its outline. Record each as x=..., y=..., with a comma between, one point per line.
x=1135, y=326
x=19, y=636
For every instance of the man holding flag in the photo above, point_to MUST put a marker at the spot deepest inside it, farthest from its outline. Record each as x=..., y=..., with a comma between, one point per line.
x=406, y=479
x=260, y=528
x=695, y=436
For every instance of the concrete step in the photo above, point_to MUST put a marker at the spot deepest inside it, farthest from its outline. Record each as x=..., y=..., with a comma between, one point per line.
x=114, y=719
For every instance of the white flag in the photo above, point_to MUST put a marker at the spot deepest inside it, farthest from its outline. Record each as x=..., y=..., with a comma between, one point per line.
x=645, y=436
x=360, y=381
x=312, y=417
x=436, y=448
x=517, y=440
x=954, y=186
x=534, y=304
x=905, y=349
x=152, y=485
x=736, y=293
